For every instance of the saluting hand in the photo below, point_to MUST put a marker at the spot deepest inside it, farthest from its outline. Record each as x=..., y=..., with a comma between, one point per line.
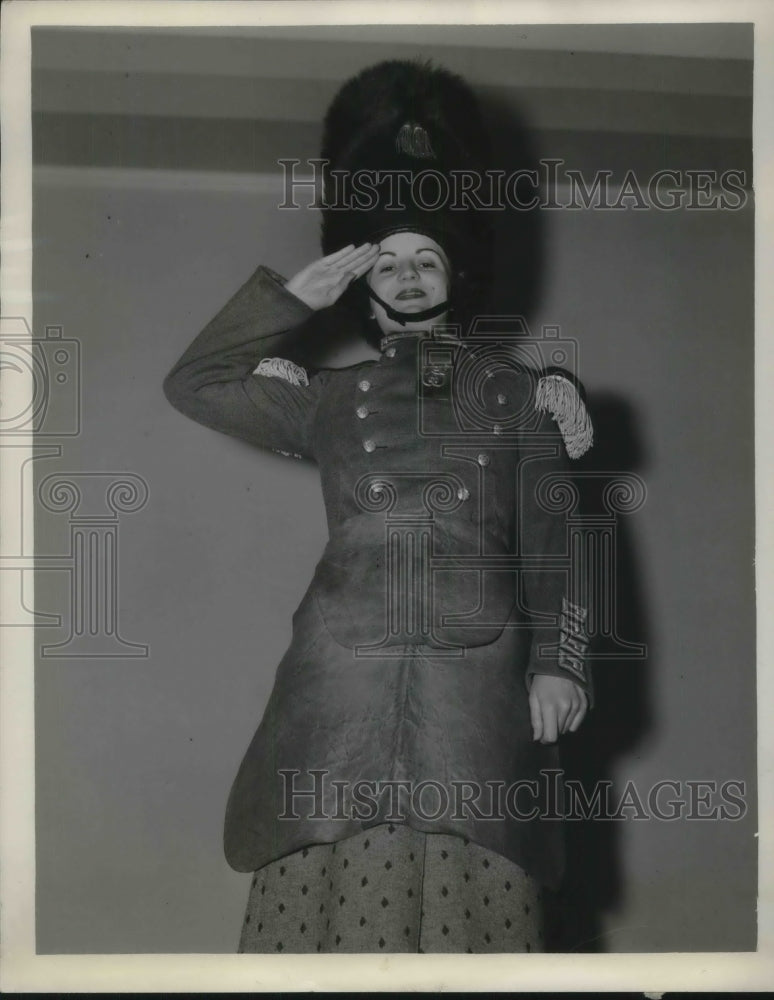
x=322, y=282
x=556, y=705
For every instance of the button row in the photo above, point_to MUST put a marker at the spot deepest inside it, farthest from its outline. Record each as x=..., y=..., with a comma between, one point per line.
x=483, y=459
x=364, y=385
x=463, y=493
x=362, y=411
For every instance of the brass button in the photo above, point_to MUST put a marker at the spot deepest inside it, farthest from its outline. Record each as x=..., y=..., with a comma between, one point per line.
x=390, y=352
x=369, y=444
x=434, y=377
x=483, y=459
x=364, y=385
x=502, y=399
x=463, y=493
x=362, y=412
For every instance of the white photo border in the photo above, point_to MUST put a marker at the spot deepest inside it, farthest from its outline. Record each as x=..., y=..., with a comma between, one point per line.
x=24, y=971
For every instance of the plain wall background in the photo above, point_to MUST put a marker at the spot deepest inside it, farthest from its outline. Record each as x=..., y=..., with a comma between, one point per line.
x=135, y=757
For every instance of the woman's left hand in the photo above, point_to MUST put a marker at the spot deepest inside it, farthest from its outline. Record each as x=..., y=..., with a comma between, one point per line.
x=556, y=705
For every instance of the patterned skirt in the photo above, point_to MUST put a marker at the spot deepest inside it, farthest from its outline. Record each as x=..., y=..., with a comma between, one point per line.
x=393, y=889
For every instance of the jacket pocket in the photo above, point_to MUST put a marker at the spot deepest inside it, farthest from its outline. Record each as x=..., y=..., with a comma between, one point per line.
x=364, y=604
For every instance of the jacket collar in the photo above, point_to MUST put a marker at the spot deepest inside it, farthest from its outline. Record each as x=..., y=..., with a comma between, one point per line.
x=390, y=339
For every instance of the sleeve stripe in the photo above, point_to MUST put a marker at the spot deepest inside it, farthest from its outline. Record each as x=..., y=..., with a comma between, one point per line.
x=573, y=639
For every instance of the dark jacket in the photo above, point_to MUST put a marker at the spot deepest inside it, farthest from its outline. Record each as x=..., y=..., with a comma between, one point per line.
x=441, y=591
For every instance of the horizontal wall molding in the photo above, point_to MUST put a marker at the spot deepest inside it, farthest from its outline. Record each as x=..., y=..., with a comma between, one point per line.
x=263, y=184
x=303, y=100
x=209, y=50
x=158, y=180
x=223, y=146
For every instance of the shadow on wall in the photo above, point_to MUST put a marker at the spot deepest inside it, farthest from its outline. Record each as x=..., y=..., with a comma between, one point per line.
x=520, y=264
x=621, y=717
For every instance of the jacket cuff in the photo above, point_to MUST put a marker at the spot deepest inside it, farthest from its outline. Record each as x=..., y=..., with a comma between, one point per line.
x=569, y=655
x=272, y=281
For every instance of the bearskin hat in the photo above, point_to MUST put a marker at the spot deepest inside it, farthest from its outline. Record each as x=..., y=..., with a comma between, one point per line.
x=407, y=118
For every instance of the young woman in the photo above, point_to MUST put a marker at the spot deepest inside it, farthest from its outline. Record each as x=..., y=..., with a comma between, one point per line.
x=398, y=794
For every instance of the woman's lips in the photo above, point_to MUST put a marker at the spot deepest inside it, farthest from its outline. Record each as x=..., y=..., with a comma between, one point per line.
x=411, y=293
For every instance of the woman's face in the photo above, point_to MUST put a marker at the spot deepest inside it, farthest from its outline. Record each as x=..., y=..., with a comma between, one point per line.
x=411, y=274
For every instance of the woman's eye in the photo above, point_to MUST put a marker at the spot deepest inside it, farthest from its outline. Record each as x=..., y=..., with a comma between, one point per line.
x=427, y=264
x=386, y=267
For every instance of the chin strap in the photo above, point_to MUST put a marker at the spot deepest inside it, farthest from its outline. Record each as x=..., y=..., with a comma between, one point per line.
x=415, y=317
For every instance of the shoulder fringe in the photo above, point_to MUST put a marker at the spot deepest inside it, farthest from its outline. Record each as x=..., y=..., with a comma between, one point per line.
x=282, y=368
x=558, y=396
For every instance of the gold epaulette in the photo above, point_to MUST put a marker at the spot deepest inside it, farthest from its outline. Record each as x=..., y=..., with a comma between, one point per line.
x=559, y=397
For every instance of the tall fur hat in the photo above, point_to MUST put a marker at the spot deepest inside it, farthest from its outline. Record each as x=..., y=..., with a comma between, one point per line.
x=410, y=117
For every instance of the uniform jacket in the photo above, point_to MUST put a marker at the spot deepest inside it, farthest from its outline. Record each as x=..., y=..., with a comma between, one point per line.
x=442, y=589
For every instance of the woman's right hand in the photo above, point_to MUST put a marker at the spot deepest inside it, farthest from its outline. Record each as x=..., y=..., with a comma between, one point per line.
x=322, y=282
